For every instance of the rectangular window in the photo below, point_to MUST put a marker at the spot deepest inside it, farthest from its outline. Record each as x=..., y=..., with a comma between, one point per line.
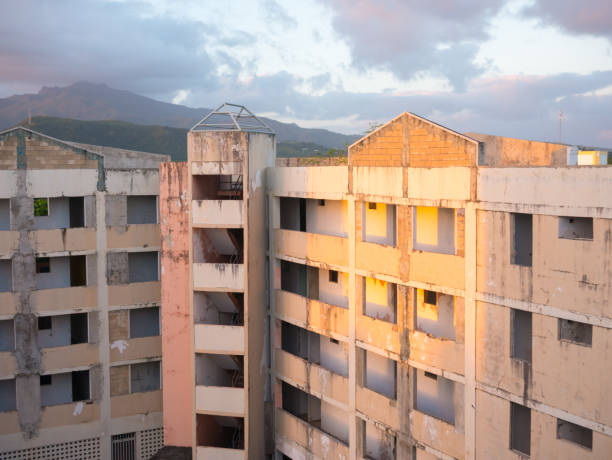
x=321, y=202
x=573, y=331
x=41, y=207
x=144, y=322
x=371, y=205
x=434, y=229
x=80, y=385
x=43, y=265
x=575, y=433
x=144, y=377
x=522, y=239
x=333, y=276
x=434, y=395
x=576, y=228
x=520, y=428
x=430, y=298
x=45, y=380
x=44, y=322
x=521, y=335
x=142, y=209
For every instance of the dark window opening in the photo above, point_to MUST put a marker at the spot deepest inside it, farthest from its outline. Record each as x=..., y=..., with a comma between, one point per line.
x=45, y=380
x=301, y=342
x=521, y=335
x=431, y=297
x=575, y=433
x=371, y=205
x=321, y=202
x=302, y=214
x=78, y=328
x=218, y=431
x=520, y=428
x=522, y=241
x=217, y=187
x=576, y=228
x=78, y=270
x=142, y=209
x=333, y=276
x=80, y=385
x=144, y=322
x=41, y=207
x=576, y=332
x=431, y=375
x=294, y=278
x=76, y=207
x=336, y=341
x=43, y=265
x=44, y=322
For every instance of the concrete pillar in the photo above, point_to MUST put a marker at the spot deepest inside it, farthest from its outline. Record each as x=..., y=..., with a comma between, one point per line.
x=470, y=332
x=353, y=301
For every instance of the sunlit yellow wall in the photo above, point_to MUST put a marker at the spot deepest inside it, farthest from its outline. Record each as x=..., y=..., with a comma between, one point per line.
x=588, y=157
x=376, y=291
x=376, y=220
x=427, y=225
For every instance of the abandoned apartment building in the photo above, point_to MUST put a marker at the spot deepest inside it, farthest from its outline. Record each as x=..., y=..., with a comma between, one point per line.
x=432, y=296
x=80, y=342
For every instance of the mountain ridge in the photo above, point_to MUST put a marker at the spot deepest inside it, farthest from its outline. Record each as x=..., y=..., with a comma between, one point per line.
x=87, y=101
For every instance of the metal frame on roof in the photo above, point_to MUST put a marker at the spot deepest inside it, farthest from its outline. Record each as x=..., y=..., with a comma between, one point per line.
x=232, y=117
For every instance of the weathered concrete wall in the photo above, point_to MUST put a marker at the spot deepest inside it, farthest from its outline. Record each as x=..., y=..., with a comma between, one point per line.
x=176, y=316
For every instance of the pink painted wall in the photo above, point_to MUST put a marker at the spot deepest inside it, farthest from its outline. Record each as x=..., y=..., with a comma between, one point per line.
x=176, y=320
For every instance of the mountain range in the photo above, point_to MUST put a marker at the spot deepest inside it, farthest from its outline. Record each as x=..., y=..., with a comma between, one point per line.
x=87, y=101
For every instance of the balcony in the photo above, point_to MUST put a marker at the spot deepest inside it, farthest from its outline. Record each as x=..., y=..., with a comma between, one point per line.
x=135, y=294
x=438, y=269
x=136, y=404
x=308, y=437
x=218, y=277
x=62, y=299
x=225, y=401
x=69, y=414
x=69, y=356
x=441, y=353
x=216, y=213
x=380, y=334
x=219, y=453
x=133, y=236
x=437, y=434
x=377, y=406
x=378, y=258
x=324, y=249
x=312, y=314
x=136, y=349
x=213, y=338
x=319, y=381
x=62, y=240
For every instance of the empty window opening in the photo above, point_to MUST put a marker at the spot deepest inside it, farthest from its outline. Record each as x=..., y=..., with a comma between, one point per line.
x=301, y=342
x=377, y=444
x=520, y=428
x=62, y=330
x=76, y=211
x=224, y=308
x=434, y=229
x=218, y=431
x=333, y=276
x=6, y=275
x=575, y=433
x=435, y=395
x=435, y=314
x=8, y=399
x=293, y=214
x=575, y=332
x=576, y=228
x=522, y=239
x=61, y=272
x=321, y=202
x=64, y=388
x=44, y=322
x=300, y=279
x=143, y=267
x=142, y=209
x=144, y=377
x=218, y=245
x=335, y=341
x=217, y=187
x=7, y=335
x=43, y=265
x=219, y=370
x=5, y=214
x=379, y=223
x=324, y=217
x=521, y=335
x=380, y=374
x=41, y=207
x=301, y=404
x=379, y=299
x=123, y=446
x=144, y=322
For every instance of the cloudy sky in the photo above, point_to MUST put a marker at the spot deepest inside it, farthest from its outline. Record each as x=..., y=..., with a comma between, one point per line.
x=500, y=67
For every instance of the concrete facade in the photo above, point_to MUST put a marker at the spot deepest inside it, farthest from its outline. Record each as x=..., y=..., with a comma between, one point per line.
x=67, y=242
x=434, y=296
